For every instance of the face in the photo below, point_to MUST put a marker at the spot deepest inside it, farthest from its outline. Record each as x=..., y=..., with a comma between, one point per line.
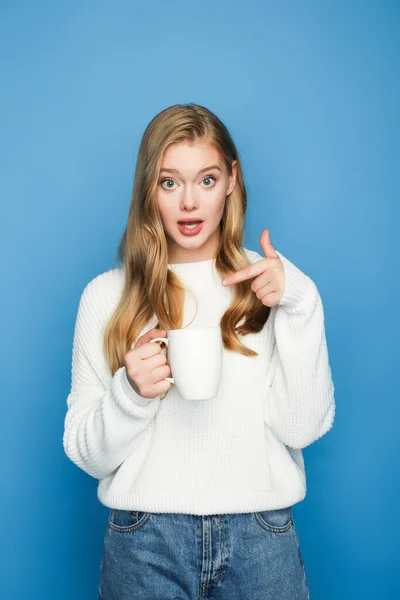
x=193, y=183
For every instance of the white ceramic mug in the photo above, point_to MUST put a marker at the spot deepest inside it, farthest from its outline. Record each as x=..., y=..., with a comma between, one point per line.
x=195, y=360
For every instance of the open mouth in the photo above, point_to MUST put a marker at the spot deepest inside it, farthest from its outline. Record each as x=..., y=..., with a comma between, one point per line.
x=190, y=228
x=190, y=225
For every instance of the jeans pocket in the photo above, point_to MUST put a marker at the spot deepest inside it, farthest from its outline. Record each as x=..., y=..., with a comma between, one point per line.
x=277, y=520
x=127, y=521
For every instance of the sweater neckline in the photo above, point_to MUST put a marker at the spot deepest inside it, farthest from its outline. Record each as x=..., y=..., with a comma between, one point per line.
x=199, y=263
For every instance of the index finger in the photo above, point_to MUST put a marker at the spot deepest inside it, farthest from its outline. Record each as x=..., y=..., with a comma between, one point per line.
x=152, y=333
x=246, y=273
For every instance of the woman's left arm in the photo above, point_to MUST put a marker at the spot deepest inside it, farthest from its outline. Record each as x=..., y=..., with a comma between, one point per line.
x=300, y=403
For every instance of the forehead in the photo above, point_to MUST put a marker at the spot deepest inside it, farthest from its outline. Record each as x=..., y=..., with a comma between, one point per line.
x=185, y=156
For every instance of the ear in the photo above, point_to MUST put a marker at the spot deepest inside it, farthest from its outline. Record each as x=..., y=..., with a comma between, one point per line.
x=232, y=178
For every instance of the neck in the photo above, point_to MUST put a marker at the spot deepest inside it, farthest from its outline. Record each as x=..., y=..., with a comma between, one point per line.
x=208, y=251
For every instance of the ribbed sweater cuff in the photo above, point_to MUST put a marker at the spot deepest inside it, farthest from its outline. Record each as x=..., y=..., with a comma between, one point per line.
x=298, y=287
x=129, y=394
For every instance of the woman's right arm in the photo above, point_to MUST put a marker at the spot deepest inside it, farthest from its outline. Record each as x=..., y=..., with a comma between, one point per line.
x=104, y=414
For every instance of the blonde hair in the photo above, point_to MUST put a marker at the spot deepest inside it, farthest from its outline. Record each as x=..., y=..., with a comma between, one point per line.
x=150, y=288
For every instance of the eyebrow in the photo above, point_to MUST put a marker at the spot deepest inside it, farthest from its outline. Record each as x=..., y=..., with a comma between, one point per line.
x=201, y=170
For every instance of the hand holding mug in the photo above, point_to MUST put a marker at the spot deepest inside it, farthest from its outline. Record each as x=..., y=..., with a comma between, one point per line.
x=146, y=367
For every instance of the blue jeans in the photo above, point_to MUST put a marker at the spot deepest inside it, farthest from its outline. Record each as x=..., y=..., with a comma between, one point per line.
x=174, y=556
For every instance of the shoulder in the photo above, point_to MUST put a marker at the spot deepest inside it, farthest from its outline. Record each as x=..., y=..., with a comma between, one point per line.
x=102, y=293
x=294, y=275
x=252, y=256
x=106, y=282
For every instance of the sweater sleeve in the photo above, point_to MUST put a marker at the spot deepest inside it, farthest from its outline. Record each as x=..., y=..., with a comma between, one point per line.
x=300, y=404
x=104, y=415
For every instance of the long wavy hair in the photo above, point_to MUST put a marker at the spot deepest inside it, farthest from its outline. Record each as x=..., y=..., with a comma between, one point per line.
x=150, y=288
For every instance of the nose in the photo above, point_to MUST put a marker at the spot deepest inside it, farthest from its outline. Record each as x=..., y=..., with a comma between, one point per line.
x=189, y=201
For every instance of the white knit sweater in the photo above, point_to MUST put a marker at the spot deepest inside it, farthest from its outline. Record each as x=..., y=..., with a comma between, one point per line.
x=237, y=452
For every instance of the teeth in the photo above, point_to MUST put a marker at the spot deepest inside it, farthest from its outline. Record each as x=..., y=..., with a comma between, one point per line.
x=191, y=226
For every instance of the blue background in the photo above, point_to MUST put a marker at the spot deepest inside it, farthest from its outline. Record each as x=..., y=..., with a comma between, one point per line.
x=310, y=93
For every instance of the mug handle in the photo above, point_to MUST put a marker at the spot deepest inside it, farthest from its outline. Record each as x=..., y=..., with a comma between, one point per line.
x=165, y=340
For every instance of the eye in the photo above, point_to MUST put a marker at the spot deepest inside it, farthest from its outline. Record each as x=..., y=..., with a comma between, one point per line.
x=168, y=179
x=210, y=177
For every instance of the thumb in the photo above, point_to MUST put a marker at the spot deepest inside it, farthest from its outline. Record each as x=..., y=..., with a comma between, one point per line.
x=266, y=245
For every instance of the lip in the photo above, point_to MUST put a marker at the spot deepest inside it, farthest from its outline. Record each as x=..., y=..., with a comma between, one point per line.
x=192, y=220
x=189, y=232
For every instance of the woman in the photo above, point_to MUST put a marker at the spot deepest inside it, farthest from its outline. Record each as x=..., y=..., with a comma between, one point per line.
x=200, y=493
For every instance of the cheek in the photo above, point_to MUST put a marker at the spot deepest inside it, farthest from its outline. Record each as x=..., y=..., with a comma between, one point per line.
x=163, y=208
x=216, y=204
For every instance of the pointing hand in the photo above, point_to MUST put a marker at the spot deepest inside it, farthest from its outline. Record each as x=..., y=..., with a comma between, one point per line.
x=269, y=286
